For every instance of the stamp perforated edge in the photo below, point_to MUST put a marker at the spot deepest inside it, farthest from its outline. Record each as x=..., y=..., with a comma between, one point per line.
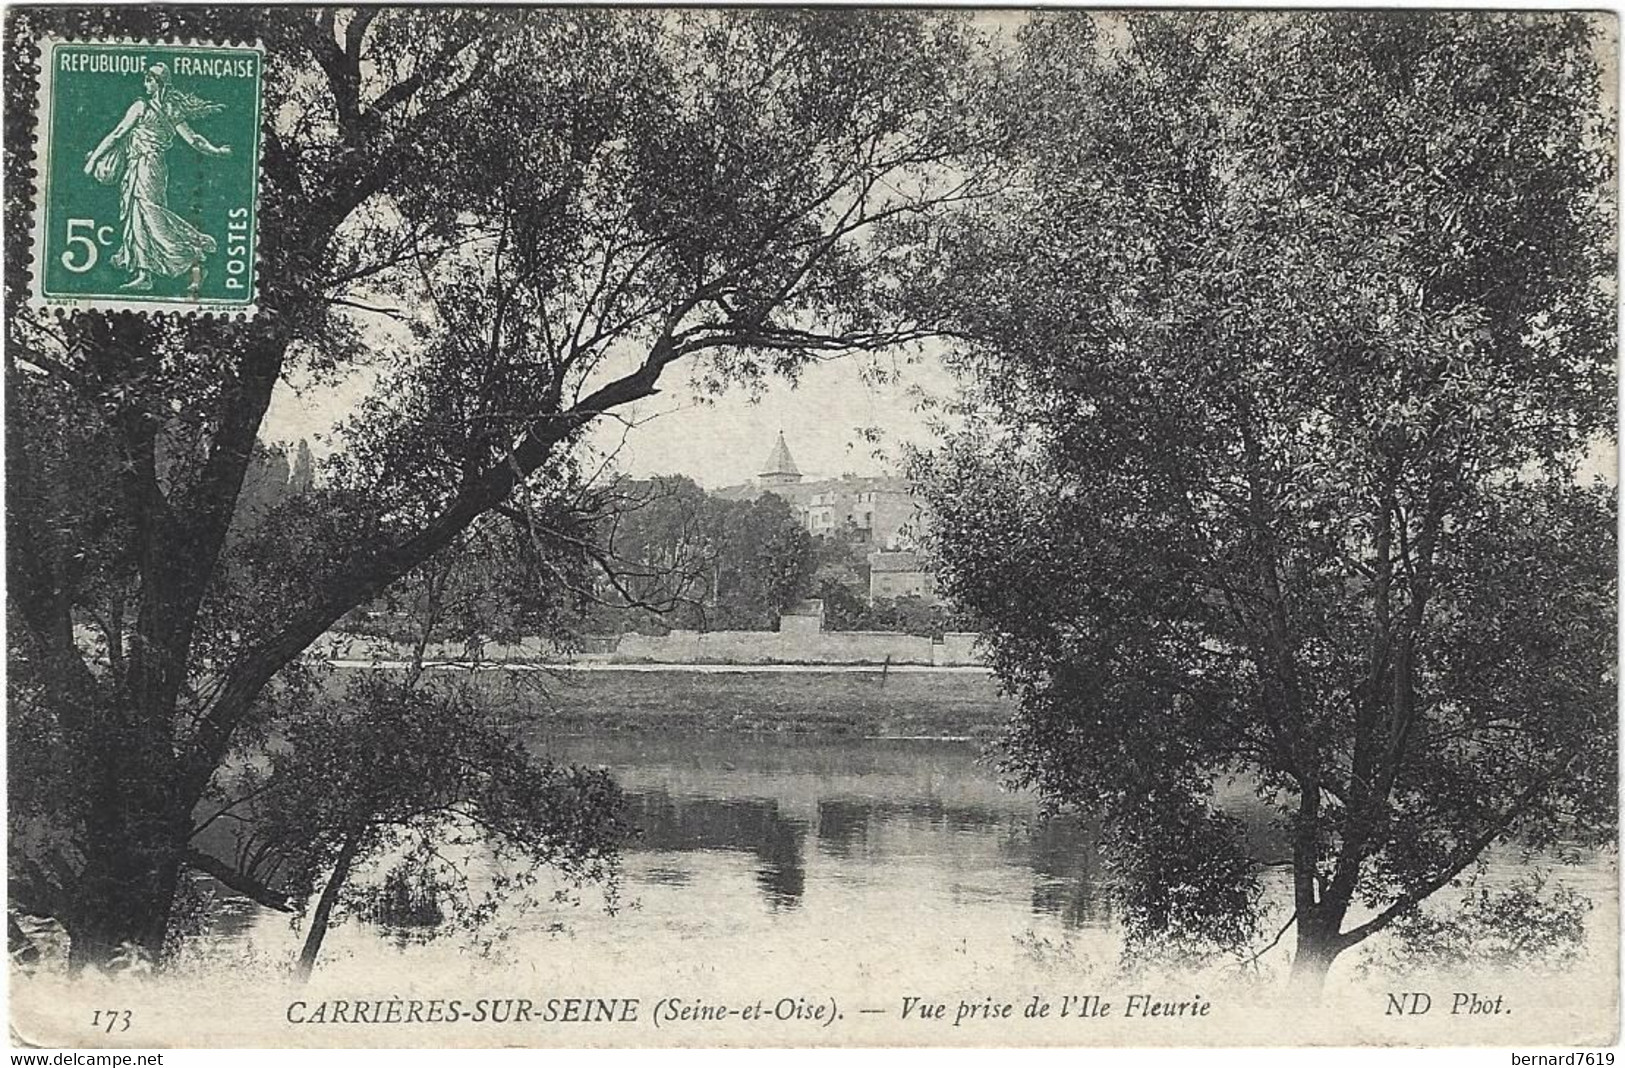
x=46, y=47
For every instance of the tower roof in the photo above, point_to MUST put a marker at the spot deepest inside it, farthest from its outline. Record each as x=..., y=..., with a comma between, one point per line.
x=779, y=465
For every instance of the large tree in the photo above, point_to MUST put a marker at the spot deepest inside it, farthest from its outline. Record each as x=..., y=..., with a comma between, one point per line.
x=675, y=556
x=396, y=760
x=1290, y=348
x=549, y=210
x=764, y=562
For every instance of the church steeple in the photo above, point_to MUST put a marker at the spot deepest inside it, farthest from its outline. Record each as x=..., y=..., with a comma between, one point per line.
x=780, y=468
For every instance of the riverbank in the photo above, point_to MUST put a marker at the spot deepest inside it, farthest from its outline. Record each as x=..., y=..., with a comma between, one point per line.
x=794, y=699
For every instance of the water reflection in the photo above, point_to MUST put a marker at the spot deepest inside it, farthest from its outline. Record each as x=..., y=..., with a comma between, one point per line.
x=757, y=848
x=846, y=825
x=747, y=825
x=843, y=827
x=1064, y=856
x=230, y=917
x=1057, y=858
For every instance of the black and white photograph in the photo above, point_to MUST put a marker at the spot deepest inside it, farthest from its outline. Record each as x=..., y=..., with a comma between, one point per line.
x=791, y=527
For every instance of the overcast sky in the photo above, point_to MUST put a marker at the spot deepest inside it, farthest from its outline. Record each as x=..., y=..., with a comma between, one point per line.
x=824, y=417
x=722, y=441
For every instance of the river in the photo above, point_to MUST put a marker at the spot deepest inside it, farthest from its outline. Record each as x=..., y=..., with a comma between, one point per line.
x=874, y=854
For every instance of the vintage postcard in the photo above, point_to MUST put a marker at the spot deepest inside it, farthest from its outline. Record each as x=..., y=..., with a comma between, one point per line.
x=811, y=527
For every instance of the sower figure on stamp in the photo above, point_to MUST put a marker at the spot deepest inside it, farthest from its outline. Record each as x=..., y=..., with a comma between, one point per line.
x=155, y=239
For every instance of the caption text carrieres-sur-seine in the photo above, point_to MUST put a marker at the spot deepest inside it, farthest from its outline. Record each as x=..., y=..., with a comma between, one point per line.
x=668, y=1010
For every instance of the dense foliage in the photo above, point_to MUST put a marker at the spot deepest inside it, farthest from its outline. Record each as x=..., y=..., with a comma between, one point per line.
x=421, y=769
x=677, y=557
x=1289, y=347
x=511, y=223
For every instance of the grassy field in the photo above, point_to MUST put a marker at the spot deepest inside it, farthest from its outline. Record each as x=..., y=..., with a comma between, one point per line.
x=860, y=704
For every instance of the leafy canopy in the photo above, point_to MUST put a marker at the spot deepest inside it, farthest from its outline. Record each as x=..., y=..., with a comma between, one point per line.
x=509, y=224
x=1287, y=349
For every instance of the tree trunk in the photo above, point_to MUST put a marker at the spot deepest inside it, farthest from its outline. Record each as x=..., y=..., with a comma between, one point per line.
x=124, y=897
x=324, y=907
x=1316, y=949
x=135, y=849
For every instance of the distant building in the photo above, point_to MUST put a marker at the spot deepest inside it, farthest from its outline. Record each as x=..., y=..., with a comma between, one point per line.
x=781, y=469
x=877, y=511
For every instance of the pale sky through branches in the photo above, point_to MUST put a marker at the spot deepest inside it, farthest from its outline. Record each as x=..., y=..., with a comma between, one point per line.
x=723, y=441
x=720, y=441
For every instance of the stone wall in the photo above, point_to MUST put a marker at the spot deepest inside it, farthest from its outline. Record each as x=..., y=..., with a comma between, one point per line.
x=798, y=643
x=956, y=648
x=795, y=646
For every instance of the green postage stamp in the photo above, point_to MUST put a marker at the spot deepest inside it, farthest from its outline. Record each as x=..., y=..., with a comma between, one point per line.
x=147, y=177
